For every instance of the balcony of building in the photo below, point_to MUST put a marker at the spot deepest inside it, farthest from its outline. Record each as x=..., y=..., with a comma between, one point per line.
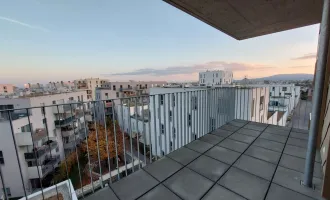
x=42, y=151
x=43, y=169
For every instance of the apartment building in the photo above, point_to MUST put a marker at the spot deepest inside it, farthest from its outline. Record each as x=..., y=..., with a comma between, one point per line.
x=133, y=88
x=90, y=85
x=43, y=135
x=6, y=89
x=215, y=78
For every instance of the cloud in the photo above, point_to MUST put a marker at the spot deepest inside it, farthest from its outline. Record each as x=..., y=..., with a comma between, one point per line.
x=299, y=67
x=23, y=24
x=177, y=70
x=306, y=56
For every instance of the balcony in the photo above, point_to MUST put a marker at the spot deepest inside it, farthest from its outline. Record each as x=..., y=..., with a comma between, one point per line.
x=65, y=122
x=41, y=151
x=49, y=166
x=240, y=160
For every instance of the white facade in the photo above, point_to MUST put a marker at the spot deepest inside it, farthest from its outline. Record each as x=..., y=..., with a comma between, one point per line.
x=44, y=125
x=89, y=85
x=214, y=78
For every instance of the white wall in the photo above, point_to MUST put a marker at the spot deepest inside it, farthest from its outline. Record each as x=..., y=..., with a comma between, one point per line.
x=212, y=78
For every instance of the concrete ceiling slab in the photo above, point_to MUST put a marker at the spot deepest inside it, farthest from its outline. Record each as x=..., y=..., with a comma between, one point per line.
x=243, y=19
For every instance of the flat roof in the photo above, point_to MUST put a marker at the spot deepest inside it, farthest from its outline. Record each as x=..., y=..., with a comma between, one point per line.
x=243, y=19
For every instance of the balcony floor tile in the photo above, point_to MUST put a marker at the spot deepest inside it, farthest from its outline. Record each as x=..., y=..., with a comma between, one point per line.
x=302, y=136
x=219, y=192
x=298, y=164
x=183, y=155
x=267, y=144
x=199, y=146
x=222, y=132
x=298, y=152
x=273, y=137
x=212, y=139
x=249, y=132
x=234, y=145
x=242, y=138
x=297, y=142
x=208, y=167
x=255, y=166
x=162, y=169
x=134, y=185
x=263, y=154
x=230, y=127
x=277, y=192
x=188, y=184
x=291, y=179
x=245, y=184
x=223, y=154
x=160, y=193
x=277, y=131
x=238, y=124
x=255, y=127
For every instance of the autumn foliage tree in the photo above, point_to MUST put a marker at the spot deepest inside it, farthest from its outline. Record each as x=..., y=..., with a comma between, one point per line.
x=100, y=137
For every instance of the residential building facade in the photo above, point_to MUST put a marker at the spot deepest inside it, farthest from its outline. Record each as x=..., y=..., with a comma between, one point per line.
x=215, y=78
x=6, y=89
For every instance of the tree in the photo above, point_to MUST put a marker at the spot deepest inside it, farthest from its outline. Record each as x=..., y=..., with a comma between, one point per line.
x=100, y=135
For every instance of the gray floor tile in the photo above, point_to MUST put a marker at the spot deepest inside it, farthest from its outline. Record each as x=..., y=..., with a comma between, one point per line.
x=221, y=193
x=160, y=193
x=268, y=144
x=183, y=155
x=299, y=152
x=298, y=164
x=259, y=124
x=300, y=130
x=291, y=179
x=242, y=138
x=137, y=184
x=221, y=132
x=230, y=127
x=249, y=132
x=223, y=154
x=163, y=168
x=199, y=146
x=234, y=145
x=240, y=120
x=280, y=127
x=263, y=154
x=277, y=192
x=255, y=166
x=208, y=167
x=255, y=127
x=105, y=193
x=277, y=131
x=273, y=137
x=245, y=184
x=212, y=139
x=297, y=142
x=299, y=135
x=188, y=184
x=238, y=124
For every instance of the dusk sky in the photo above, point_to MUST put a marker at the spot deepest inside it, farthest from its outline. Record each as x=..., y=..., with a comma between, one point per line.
x=42, y=41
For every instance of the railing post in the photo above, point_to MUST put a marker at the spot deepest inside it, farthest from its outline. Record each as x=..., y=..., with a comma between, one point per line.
x=318, y=93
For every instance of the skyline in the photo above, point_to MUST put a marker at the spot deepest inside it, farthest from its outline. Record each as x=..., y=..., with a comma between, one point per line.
x=149, y=40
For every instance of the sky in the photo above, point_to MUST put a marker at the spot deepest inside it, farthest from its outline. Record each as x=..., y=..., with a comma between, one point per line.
x=42, y=41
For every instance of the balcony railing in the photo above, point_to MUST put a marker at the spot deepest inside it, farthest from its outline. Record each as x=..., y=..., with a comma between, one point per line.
x=41, y=151
x=108, y=150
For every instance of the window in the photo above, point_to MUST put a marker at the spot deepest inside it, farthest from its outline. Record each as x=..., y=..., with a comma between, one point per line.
x=82, y=98
x=43, y=110
x=78, y=97
x=284, y=89
x=163, y=153
x=173, y=99
x=213, y=80
x=117, y=94
x=4, y=87
x=162, y=129
x=146, y=86
x=217, y=75
x=252, y=108
x=161, y=99
x=129, y=87
x=204, y=75
x=121, y=86
x=170, y=115
x=189, y=119
x=171, y=146
x=97, y=82
x=270, y=94
x=44, y=121
x=2, y=160
x=106, y=95
x=280, y=93
x=114, y=87
x=54, y=102
x=174, y=131
x=273, y=88
x=194, y=103
x=7, y=191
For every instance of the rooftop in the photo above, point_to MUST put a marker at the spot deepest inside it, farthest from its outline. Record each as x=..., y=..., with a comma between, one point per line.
x=240, y=160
